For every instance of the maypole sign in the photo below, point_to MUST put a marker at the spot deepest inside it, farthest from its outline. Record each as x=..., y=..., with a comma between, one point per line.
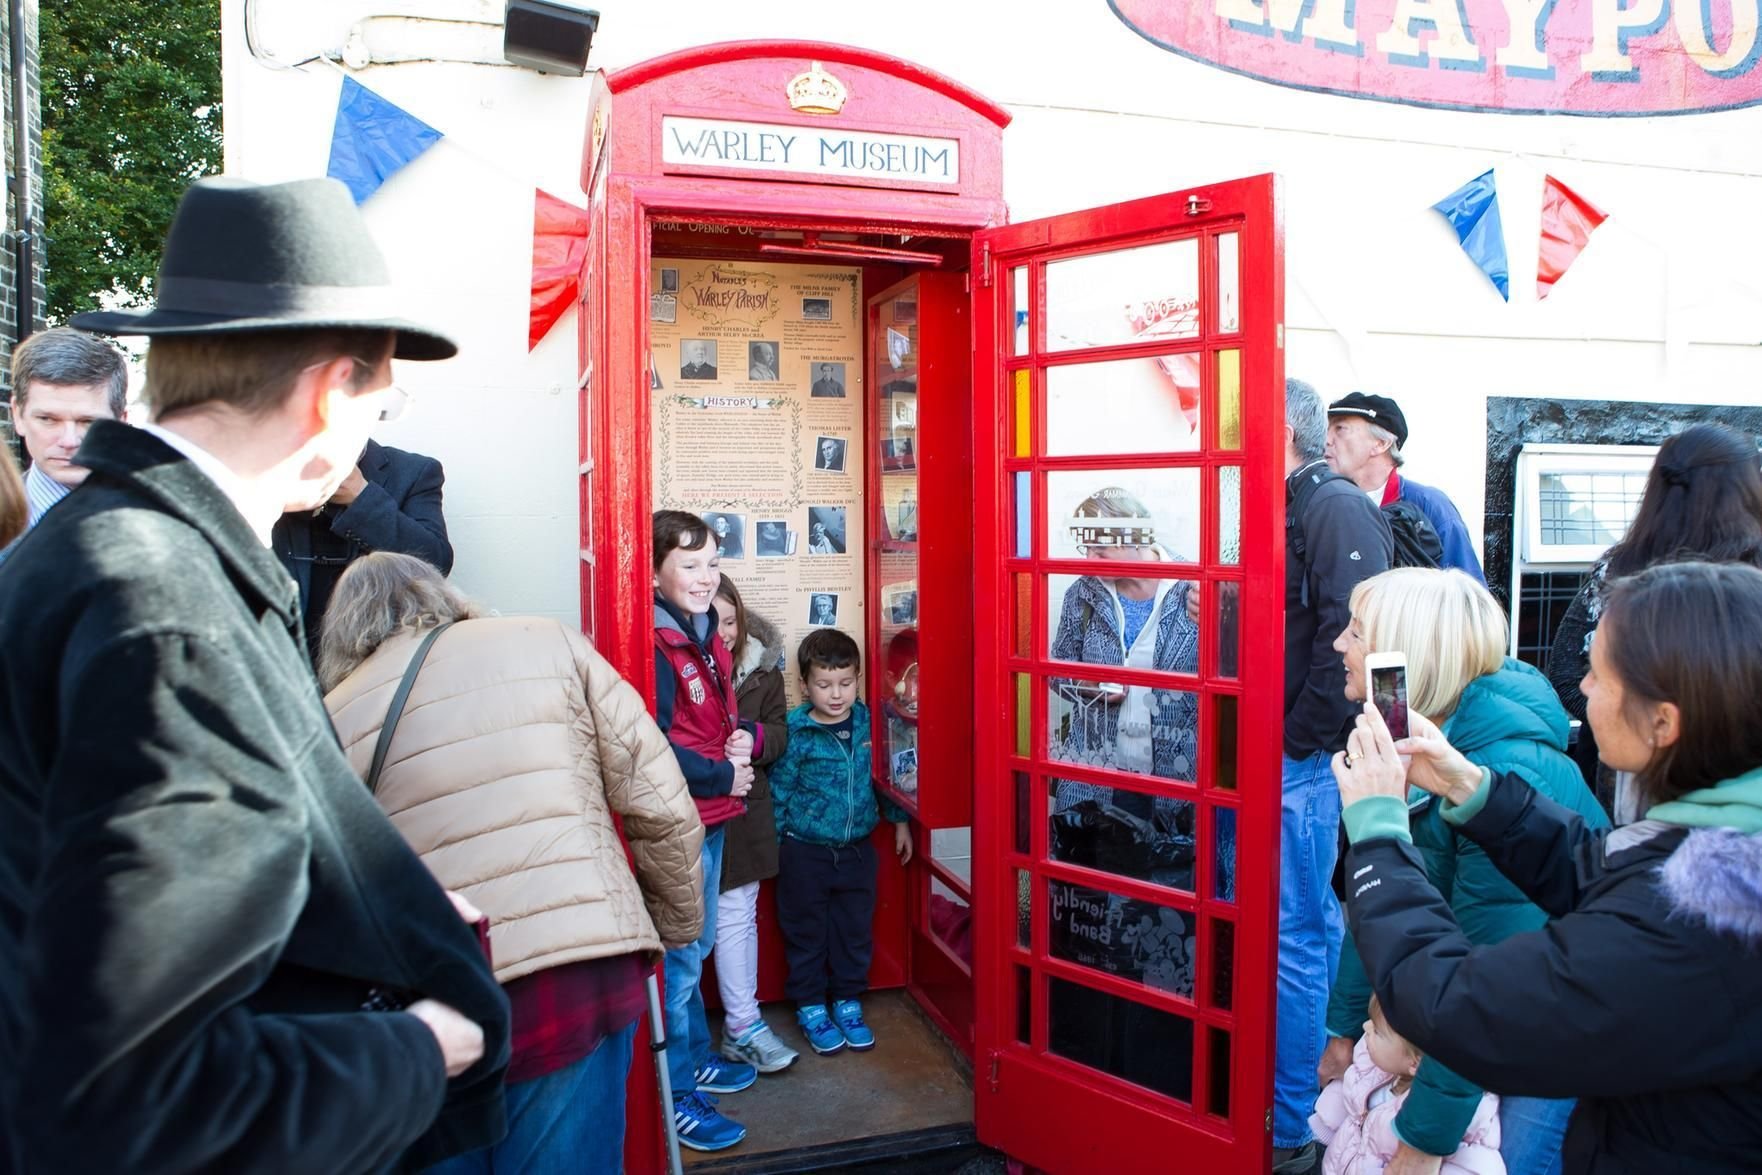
x=1591, y=57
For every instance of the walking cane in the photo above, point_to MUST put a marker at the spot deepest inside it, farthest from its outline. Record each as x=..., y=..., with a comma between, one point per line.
x=663, y=1079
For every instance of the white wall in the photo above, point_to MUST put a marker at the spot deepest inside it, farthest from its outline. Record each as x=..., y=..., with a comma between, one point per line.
x=1665, y=304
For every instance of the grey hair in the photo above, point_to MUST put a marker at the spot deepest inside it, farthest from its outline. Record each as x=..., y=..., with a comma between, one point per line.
x=1379, y=433
x=378, y=596
x=1307, y=418
x=69, y=358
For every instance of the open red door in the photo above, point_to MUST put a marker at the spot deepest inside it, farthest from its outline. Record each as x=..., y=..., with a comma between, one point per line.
x=1129, y=393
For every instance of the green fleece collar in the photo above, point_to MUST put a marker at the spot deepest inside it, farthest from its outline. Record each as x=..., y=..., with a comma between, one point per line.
x=1735, y=804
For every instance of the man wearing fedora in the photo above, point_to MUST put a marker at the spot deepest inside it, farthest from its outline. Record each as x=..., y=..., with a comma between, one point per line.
x=215, y=952
x=1365, y=436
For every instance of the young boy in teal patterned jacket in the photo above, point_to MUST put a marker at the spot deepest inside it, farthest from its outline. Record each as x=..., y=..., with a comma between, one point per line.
x=826, y=806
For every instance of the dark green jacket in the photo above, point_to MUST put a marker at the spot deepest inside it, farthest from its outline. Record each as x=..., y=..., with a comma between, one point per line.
x=1509, y=721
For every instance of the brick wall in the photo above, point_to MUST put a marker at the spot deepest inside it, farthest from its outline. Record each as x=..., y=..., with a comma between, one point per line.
x=9, y=311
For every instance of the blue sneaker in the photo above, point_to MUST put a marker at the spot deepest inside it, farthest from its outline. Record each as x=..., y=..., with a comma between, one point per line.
x=822, y=1034
x=849, y=1015
x=701, y=1126
x=720, y=1075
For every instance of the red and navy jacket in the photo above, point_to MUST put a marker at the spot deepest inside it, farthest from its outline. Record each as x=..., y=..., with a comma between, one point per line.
x=694, y=704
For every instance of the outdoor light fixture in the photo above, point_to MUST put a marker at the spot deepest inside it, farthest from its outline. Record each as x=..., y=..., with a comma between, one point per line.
x=548, y=35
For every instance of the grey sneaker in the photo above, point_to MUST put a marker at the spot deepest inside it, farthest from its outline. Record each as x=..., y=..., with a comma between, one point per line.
x=759, y=1047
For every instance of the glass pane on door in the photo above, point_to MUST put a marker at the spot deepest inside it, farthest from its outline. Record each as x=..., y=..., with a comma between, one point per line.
x=1146, y=405
x=1142, y=294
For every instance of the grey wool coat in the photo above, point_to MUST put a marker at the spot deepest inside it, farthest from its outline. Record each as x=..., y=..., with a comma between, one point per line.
x=196, y=893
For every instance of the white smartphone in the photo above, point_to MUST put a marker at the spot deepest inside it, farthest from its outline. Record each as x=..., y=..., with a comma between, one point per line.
x=1388, y=689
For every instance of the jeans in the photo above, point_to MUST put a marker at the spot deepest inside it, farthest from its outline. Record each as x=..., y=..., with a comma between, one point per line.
x=737, y=957
x=1310, y=930
x=688, y=1029
x=1531, y=1131
x=567, y=1121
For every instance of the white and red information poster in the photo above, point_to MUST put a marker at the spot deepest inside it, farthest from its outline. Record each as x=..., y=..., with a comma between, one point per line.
x=757, y=386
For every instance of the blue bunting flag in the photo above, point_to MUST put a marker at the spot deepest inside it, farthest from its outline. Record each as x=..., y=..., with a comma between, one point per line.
x=373, y=139
x=1473, y=211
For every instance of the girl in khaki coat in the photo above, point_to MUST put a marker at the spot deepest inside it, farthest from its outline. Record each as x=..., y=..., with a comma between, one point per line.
x=516, y=745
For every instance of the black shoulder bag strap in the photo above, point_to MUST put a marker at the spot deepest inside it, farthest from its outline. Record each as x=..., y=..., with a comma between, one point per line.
x=396, y=710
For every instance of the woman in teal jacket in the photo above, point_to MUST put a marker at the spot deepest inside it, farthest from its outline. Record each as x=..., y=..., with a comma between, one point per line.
x=1504, y=715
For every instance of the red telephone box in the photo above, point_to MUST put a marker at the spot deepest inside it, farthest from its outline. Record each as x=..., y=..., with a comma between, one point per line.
x=1091, y=912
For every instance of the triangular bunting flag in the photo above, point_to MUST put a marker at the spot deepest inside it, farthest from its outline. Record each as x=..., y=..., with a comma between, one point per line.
x=559, y=243
x=373, y=139
x=1568, y=220
x=1473, y=211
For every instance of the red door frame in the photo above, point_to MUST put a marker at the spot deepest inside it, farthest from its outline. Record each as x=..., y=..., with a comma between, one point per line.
x=1027, y=1099
x=630, y=189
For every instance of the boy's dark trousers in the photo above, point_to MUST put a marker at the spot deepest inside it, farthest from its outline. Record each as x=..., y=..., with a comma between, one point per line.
x=825, y=904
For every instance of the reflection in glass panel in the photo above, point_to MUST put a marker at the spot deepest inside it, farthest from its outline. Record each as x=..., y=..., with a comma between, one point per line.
x=1229, y=399
x=951, y=920
x=1229, y=627
x=1223, y=865
x=1130, y=295
x=1022, y=817
x=1588, y=508
x=1223, y=963
x=1128, y=938
x=1024, y=414
x=952, y=848
x=1123, y=515
x=1024, y=713
x=1145, y=1046
x=1219, y=1091
x=1024, y=910
x=1019, y=308
x=1229, y=284
x=1024, y=1005
x=1229, y=515
x=1143, y=729
x=1024, y=618
x=1225, y=711
x=1024, y=514
x=1123, y=406
x=1120, y=831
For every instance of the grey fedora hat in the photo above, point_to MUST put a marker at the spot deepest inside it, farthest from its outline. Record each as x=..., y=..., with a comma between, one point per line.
x=242, y=256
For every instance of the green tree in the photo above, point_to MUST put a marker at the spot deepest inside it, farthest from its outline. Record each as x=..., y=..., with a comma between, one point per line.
x=131, y=114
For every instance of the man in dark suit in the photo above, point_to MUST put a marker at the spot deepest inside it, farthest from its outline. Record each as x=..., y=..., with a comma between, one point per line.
x=699, y=360
x=828, y=384
x=216, y=953
x=390, y=501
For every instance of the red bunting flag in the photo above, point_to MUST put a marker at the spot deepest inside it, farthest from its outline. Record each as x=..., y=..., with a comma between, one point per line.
x=559, y=244
x=1568, y=220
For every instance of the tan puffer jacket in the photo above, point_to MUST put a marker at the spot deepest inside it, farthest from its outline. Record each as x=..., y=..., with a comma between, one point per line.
x=515, y=747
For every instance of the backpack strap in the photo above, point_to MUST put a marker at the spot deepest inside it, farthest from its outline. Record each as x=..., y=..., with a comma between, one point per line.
x=395, y=711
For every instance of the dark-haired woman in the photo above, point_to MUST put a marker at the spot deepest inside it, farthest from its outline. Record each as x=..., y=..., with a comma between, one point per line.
x=1703, y=500
x=1642, y=997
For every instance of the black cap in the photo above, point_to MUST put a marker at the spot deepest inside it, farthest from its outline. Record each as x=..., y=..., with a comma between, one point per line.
x=1379, y=410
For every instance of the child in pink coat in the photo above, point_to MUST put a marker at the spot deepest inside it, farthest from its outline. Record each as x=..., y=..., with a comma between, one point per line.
x=1355, y=1116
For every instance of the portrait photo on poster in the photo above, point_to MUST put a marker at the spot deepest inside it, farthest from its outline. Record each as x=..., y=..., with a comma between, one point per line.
x=903, y=412
x=816, y=309
x=697, y=359
x=775, y=539
x=729, y=533
x=829, y=454
x=826, y=530
x=663, y=308
x=823, y=609
x=761, y=361
x=828, y=381
x=902, y=604
x=897, y=454
x=669, y=282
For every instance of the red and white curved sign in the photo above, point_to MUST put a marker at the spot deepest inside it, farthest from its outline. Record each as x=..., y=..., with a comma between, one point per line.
x=1591, y=57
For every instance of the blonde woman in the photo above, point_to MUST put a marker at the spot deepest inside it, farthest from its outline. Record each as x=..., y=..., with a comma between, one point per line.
x=1503, y=715
x=516, y=745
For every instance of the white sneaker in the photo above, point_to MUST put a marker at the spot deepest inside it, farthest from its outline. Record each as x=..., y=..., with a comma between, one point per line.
x=759, y=1047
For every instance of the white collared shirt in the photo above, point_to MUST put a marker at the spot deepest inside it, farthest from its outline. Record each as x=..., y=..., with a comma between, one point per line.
x=228, y=481
x=41, y=492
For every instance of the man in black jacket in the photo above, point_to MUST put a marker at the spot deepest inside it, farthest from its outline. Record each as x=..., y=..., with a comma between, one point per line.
x=390, y=501
x=1335, y=537
x=207, y=927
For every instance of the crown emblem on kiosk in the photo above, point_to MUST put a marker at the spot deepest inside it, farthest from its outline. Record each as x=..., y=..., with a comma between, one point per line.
x=816, y=92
